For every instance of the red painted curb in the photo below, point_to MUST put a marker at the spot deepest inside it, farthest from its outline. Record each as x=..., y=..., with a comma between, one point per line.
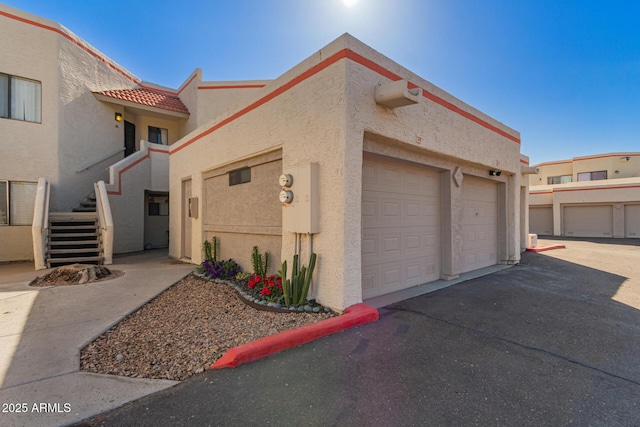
x=546, y=248
x=355, y=315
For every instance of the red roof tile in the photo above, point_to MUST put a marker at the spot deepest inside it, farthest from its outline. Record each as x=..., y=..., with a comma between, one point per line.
x=148, y=97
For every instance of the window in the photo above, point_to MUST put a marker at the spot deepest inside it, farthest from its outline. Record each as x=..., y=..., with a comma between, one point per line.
x=158, y=206
x=158, y=135
x=239, y=176
x=563, y=179
x=20, y=99
x=592, y=176
x=17, y=200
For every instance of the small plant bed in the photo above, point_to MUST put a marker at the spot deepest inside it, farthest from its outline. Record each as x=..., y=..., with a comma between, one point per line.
x=260, y=290
x=183, y=331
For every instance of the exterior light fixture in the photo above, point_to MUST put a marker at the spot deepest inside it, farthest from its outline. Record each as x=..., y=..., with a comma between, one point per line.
x=118, y=117
x=495, y=173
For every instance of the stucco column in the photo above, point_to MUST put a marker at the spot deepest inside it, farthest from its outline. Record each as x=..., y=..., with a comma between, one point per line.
x=557, y=217
x=451, y=215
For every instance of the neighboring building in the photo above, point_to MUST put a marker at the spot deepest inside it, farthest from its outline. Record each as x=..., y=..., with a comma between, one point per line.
x=396, y=183
x=73, y=116
x=591, y=196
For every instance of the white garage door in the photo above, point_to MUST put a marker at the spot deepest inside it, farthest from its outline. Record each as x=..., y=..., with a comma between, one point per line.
x=400, y=226
x=479, y=223
x=588, y=221
x=632, y=221
x=541, y=220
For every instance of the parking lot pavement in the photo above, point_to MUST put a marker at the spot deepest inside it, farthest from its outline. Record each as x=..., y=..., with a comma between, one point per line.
x=551, y=341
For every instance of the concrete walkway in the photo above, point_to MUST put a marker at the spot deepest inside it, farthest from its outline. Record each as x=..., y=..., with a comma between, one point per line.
x=43, y=330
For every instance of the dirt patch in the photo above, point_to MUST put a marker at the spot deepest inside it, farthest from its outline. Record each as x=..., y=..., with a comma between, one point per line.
x=75, y=274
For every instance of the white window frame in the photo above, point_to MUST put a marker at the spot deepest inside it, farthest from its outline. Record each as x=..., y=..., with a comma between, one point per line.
x=29, y=96
x=6, y=217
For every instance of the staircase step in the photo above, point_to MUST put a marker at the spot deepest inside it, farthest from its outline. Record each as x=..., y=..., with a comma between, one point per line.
x=73, y=251
x=56, y=235
x=72, y=216
x=73, y=260
x=84, y=209
x=73, y=242
x=72, y=227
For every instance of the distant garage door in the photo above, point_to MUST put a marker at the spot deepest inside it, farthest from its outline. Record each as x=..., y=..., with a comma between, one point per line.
x=541, y=220
x=479, y=223
x=632, y=221
x=400, y=226
x=588, y=221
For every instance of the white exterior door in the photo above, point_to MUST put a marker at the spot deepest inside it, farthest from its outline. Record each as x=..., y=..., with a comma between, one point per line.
x=400, y=226
x=479, y=223
x=541, y=220
x=588, y=221
x=632, y=221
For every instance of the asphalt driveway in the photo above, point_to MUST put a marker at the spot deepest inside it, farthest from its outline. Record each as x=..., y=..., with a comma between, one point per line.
x=552, y=341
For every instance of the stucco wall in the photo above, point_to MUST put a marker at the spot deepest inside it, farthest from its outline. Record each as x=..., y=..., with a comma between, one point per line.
x=87, y=129
x=217, y=98
x=306, y=132
x=76, y=129
x=30, y=150
x=146, y=169
x=243, y=214
x=17, y=244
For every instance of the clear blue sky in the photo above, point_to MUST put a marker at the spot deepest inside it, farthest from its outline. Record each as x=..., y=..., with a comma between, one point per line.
x=564, y=73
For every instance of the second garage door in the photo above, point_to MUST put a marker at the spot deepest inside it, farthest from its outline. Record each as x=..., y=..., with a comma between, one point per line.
x=479, y=223
x=541, y=220
x=588, y=221
x=632, y=221
x=400, y=226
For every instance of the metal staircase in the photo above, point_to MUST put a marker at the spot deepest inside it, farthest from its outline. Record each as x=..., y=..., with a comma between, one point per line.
x=74, y=237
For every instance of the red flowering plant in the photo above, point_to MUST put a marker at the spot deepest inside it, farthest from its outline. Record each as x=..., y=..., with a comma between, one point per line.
x=270, y=287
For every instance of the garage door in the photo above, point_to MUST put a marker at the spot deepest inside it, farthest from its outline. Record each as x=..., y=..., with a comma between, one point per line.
x=632, y=221
x=541, y=220
x=479, y=223
x=400, y=226
x=588, y=221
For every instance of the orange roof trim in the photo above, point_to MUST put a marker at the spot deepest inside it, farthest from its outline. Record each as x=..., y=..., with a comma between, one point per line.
x=149, y=98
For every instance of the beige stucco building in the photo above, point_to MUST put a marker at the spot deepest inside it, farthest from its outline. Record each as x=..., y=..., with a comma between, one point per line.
x=389, y=179
x=590, y=196
x=396, y=183
x=74, y=117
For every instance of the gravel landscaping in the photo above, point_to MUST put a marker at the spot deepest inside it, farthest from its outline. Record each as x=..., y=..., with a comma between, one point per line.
x=183, y=331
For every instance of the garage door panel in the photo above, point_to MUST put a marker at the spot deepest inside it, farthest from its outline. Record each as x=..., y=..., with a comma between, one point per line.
x=541, y=220
x=588, y=221
x=632, y=221
x=401, y=226
x=479, y=223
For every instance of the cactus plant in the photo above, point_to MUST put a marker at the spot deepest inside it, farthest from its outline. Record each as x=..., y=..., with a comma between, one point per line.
x=260, y=264
x=295, y=290
x=208, y=246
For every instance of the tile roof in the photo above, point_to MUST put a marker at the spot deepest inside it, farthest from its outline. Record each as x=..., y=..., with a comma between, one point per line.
x=148, y=97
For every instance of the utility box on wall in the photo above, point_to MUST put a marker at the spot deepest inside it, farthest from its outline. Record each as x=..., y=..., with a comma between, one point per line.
x=301, y=215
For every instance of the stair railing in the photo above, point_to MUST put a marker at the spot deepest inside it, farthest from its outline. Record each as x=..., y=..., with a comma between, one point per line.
x=95, y=162
x=105, y=220
x=40, y=224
